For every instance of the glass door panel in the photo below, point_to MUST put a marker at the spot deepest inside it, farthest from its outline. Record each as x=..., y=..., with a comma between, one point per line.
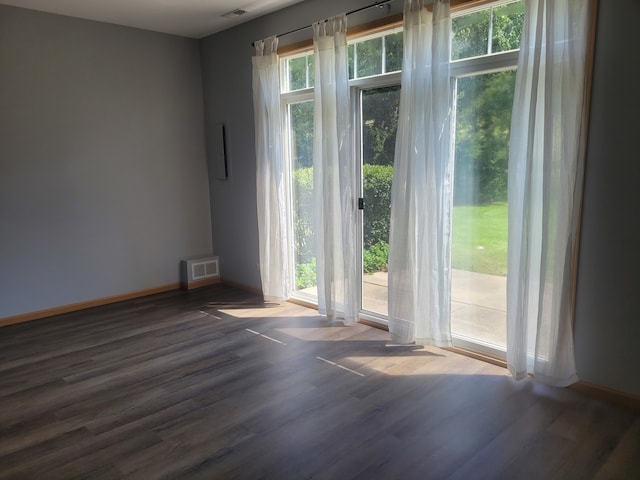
x=379, y=116
x=479, y=245
x=301, y=152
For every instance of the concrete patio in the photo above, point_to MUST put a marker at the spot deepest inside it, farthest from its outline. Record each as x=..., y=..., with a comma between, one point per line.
x=478, y=303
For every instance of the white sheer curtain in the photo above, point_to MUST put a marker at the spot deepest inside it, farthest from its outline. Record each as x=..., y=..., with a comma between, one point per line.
x=334, y=175
x=270, y=180
x=545, y=181
x=421, y=194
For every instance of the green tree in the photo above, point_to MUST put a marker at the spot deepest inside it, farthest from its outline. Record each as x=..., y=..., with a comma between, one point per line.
x=380, y=110
x=393, y=44
x=302, y=131
x=484, y=102
x=303, y=208
x=507, y=27
x=298, y=68
x=483, y=119
x=369, y=53
x=470, y=35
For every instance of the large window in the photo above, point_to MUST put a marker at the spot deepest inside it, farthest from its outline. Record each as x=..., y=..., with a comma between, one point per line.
x=484, y=50
x=484, y=57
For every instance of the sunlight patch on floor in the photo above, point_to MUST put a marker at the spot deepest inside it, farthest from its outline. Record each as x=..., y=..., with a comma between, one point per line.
x=325, y=334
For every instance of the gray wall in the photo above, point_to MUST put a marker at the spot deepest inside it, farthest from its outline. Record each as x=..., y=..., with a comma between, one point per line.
x=608, y=310
x=607, y=330
x=103, y=175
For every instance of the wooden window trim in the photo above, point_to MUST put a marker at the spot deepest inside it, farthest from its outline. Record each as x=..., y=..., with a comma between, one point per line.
x=375, y=26
x=386, y=23
x=591, y=56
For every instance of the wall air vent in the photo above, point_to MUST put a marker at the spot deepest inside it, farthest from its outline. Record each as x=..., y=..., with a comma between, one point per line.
x=200, y=271
x=238, y=12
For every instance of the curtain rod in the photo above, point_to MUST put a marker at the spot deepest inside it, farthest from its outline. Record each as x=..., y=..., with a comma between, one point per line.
x=366, y=7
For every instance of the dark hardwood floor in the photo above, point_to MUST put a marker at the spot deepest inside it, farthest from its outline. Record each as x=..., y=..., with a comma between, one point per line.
x=214, y=384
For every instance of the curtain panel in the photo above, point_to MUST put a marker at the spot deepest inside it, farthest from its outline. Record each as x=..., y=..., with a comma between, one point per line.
x=421, y=195
x=270, y=174
x=546, y=163
x=334, y=174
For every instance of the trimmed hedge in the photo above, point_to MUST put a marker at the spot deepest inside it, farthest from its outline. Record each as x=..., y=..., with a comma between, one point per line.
x=377, y=197
x=376, y=180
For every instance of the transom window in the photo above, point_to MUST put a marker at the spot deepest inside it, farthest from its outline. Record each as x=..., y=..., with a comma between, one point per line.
x=372, y=55
x=476, y=32
x=486, y=31
x=297, y=72
x=376, y=55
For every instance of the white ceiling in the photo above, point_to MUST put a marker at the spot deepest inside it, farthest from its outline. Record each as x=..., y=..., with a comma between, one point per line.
x=189, y=18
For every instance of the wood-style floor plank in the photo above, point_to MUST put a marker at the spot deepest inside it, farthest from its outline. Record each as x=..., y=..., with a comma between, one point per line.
x=214, y=383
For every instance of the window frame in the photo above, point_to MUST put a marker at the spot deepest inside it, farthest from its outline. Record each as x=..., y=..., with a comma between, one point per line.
x=459, y=68
x=468, y=67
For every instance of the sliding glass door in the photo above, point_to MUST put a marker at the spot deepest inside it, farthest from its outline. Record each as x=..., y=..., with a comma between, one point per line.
x=300, y=133
x=378, y=125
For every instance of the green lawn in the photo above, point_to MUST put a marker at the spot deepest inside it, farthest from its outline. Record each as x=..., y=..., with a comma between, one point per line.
x=480, y=238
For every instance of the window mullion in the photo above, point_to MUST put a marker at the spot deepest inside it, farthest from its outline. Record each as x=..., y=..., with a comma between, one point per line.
x=490, y=36
x=384, y=55
x=355, y=60
x=486, y=63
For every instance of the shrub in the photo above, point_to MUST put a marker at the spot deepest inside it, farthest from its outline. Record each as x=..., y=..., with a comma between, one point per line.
x=306, y=274
x=376, y=180
x=375, y=258
x=303, y=204
x=377, y=195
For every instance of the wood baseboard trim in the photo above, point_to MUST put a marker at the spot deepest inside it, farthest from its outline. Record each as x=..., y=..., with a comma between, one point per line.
x=241, y=286
x=74, y=307
x=200, y=283
x=607, y=394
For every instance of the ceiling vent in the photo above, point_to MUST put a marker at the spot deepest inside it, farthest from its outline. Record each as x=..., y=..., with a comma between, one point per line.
x=238, y=12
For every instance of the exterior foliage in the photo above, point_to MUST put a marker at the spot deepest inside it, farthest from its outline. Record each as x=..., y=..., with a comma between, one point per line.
x=377, y=197
x=377, y=194
x=483, y=113
x=483, y=121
